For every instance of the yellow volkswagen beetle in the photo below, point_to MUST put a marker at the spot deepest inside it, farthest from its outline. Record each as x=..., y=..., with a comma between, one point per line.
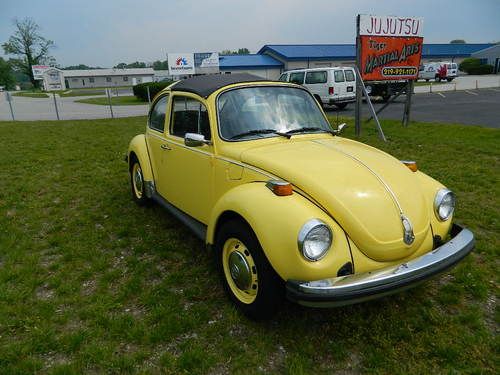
x=289, y=207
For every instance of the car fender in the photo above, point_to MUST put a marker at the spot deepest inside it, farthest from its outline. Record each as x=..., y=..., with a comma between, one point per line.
x=430, y=187
x=139, y=147
x=276, y=221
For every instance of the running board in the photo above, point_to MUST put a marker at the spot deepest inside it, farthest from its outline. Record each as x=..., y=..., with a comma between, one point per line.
x=198, y=228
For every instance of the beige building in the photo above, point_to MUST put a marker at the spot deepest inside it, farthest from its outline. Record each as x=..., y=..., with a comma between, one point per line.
x=107, y=77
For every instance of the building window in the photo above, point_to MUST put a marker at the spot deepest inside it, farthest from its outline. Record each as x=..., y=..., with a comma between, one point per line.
x=108, y=79
x=91, y=79
x=125, y=79
x=74, y=79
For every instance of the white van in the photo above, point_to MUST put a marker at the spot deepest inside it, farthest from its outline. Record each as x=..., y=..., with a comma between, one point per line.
x=438, y=71
x=333, y=86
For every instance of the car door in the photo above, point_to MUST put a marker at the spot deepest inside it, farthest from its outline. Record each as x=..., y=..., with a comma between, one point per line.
x=340, y=85
x=297, y=77
x=350, y=81
x=188, y=170
x=317, y=83
x=155, y=137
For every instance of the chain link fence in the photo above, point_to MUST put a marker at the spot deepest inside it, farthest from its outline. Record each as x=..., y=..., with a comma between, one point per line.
x=67, y=105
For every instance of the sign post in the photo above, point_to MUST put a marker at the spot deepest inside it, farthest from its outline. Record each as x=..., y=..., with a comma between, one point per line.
x=388, y=48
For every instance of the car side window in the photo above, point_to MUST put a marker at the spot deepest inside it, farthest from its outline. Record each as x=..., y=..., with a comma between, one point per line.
x=316, y=77
x=297, y=78
x=349, y=75
x=339, y=75
x=157, y=114
x=189, y=116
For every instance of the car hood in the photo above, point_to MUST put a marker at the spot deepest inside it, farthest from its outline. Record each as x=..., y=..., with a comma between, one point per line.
x=362, y=188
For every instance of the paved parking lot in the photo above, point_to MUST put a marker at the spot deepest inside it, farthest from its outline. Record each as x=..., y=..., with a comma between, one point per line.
x=470, y=107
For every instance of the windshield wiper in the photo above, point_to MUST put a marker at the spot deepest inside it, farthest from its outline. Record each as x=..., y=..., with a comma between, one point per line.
x=308, y=129
x=260, y=131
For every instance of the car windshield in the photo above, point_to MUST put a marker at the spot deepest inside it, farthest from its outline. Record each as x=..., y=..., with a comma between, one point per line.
x=258, y=112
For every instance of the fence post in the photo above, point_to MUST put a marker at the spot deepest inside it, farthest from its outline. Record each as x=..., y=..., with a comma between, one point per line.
x=430, y=88
x=9, y=99
x=110, y=105
x=149, y=96
x=55, y=105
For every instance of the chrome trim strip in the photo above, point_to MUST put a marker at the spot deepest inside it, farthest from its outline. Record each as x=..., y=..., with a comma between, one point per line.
x=356, y=288
x=248, y=166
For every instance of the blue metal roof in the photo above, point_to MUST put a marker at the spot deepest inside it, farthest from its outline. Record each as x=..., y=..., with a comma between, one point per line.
x=248, y=61
x=348, y=51
x=456, y=50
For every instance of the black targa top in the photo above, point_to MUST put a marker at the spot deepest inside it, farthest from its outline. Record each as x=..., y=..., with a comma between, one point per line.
x=206, y=85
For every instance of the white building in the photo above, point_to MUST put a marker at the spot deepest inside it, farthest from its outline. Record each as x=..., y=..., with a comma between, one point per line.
x=107, y=77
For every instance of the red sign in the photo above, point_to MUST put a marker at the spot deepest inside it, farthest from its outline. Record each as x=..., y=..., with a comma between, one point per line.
x=389, y=58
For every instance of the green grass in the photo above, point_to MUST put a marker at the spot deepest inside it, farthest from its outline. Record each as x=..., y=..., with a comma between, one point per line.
x=71, y=93
x=30, y=94
x=91, y=283
x=116, y=100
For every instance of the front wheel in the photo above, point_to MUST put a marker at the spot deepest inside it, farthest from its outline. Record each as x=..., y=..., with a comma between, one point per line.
x=248, y=278
x=341, y=105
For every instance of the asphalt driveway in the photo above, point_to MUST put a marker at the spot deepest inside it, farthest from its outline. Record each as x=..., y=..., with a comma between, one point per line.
x=470, y=107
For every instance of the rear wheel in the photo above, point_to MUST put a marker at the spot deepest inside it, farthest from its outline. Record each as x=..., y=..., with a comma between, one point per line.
x=248, y=278
x=137, y=184
x=438, y=79
x=341, y=105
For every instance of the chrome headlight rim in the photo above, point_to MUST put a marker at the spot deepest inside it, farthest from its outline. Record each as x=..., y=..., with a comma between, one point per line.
x=305, y=230
x=438, y=200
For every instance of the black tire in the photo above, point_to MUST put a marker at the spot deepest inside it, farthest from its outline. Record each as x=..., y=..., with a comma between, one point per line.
x=438, y=79
x=137, y=187
x=449, y=79
x=427, y=80
x=341, y=105
x=266, y=289
x=385, y=98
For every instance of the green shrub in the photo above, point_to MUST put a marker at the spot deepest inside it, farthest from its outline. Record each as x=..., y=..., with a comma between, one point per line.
x=473, y=66
x=141, y=91
x=481, y=69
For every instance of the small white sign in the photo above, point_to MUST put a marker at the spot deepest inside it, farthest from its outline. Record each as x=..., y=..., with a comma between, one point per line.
x=180, y=63
x=390, y=26
x=38, y=70
x=211, y=62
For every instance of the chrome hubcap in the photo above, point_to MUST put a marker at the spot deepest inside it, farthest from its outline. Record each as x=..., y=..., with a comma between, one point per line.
x=138, y=180
x=240, y=270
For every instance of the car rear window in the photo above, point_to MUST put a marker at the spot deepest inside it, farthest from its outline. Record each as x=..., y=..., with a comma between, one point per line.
x=316, y=77
x=349, y=75
x=339, y=75
x=297, y=78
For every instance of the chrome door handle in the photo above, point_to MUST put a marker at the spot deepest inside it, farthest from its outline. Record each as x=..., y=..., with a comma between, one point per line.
x=165, y=147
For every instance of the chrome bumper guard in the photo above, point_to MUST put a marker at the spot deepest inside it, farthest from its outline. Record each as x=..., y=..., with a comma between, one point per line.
x=350, y=289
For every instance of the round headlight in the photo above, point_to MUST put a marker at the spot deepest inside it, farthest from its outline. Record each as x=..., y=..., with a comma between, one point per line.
x=444, y=204
x=315, y=238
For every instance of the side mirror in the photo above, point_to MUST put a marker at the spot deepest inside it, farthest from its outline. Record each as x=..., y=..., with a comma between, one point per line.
x=195, y=140
x=340, y=128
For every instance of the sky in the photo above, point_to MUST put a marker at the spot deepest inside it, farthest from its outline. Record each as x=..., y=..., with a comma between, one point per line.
x=107, y=32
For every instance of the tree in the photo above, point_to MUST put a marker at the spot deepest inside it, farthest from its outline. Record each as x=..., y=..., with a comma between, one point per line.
x=135, y=64
x=6, y=75
x=160, y=65
x=240, y=51
x=80, y=67
x=458, y=41
x=30, y=47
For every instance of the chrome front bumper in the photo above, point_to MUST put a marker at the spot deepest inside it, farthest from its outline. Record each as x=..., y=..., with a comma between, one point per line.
x=346, y=290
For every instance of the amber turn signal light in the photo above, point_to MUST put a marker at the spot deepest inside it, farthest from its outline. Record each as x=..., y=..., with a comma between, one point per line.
x=280, y=188
x=412, y=165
